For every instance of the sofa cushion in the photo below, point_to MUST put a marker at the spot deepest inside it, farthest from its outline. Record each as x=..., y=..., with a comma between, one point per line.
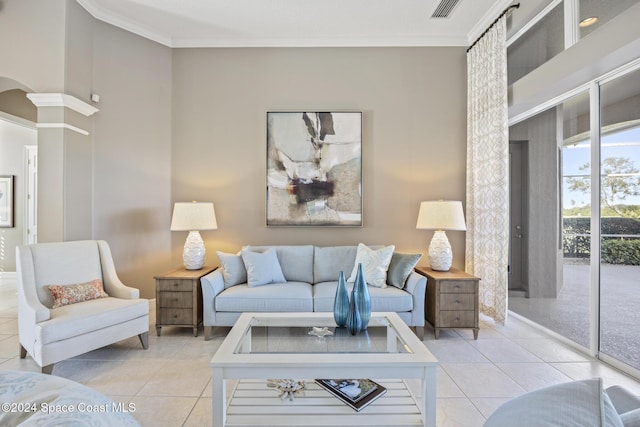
x=375, y=263
x=400, y=268
x=577, y=403
x=331, y=260
x=296, y=261
x=262, y=268
x=382, y=299
x=73, y=320
x=233, y=269
x=285, y=297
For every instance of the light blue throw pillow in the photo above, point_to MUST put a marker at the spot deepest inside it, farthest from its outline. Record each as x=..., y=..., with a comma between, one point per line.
x=262, y=268
x=400, y=268
x=233, y=270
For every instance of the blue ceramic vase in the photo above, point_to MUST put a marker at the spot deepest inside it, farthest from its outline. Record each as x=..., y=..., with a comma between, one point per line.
x=364, y=299
x=354, y=323
x=341, y=302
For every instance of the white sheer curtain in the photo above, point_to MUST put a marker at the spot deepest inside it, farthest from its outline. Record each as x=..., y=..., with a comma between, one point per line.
x=487, y=244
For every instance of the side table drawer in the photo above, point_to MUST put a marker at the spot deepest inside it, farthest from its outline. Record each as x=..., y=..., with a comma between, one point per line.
x=176, y=316
x=458, y=286
x=175, y=285
x=176, y=299
x=456, y=319
x=457, y=301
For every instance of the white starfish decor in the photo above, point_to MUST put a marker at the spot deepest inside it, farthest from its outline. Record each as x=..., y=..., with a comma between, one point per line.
x=320, y=332
x=287, y=388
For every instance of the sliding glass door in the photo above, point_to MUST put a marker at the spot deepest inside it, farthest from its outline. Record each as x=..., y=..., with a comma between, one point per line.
x=556, y=227
x=620, y=219
x=581, y=229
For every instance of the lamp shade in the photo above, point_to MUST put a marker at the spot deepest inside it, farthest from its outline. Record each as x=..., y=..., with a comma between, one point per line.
x=189, y=216
x=441, y=215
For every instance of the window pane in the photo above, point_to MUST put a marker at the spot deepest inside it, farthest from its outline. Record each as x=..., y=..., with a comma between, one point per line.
x=542, y=42
x=556, y=227
x=620, y=223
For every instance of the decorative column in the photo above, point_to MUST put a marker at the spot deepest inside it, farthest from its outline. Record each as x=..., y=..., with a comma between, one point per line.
x=64, y=167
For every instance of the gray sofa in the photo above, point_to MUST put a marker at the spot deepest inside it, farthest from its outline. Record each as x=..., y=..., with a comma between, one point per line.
x=311, y=275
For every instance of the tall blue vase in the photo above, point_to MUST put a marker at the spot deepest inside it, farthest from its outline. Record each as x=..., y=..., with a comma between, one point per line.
x=354, y=323
x=341, y=302
x=364, y=299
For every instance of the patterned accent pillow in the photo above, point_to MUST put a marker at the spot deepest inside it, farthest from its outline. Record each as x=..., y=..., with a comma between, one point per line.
x=375, y=264
x=400, y=268
x=71, y=294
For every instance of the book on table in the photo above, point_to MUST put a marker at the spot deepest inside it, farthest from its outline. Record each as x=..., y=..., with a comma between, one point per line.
x=357, y=393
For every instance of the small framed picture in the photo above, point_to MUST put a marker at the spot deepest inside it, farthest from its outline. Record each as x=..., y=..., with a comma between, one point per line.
x=6, y=201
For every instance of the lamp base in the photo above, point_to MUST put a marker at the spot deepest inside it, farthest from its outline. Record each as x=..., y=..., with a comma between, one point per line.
x=440, y=254
x=193, y=254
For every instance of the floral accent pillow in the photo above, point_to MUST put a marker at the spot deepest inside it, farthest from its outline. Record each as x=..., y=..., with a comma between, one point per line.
x=71, y=294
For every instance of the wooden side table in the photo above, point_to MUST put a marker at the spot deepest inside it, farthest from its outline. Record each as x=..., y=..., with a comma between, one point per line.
x=452, y=300
x=179, y=298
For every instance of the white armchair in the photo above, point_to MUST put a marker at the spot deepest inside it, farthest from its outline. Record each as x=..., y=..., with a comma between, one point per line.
x=49, y=334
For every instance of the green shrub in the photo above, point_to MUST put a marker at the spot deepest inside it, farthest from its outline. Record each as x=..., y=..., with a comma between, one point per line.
x=625, y=252
x=577, y=237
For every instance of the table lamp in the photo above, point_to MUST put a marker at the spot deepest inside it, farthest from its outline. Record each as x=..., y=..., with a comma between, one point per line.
x=441, y=215
x=193, y=217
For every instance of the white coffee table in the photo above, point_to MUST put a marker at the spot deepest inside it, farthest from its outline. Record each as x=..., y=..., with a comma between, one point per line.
x=277, y=345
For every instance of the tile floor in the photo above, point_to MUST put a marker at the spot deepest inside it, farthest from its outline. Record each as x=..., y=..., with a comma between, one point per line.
x=170, y=382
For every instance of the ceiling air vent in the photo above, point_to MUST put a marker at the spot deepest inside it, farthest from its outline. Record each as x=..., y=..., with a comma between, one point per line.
x=444, y=8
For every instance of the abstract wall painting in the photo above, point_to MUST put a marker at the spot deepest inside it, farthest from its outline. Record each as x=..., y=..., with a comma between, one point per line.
x=6, y=200
x=314, y=169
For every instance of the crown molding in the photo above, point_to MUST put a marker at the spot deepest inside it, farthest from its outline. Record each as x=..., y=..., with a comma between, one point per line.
x=486, y=20
x=62, y=100
x=333, y=41
x=403, y=40
x=125, y=23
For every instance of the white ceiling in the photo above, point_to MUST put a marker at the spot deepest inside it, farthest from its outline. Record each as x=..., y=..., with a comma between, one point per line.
x=305, y=23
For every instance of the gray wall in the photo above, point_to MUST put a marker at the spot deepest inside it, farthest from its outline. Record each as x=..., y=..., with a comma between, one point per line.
x=131, y=153
x=414, y=136
x=189, y=124
x=32, y=43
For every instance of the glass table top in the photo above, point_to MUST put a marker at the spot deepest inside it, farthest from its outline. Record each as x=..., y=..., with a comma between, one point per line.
x=312, y=335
